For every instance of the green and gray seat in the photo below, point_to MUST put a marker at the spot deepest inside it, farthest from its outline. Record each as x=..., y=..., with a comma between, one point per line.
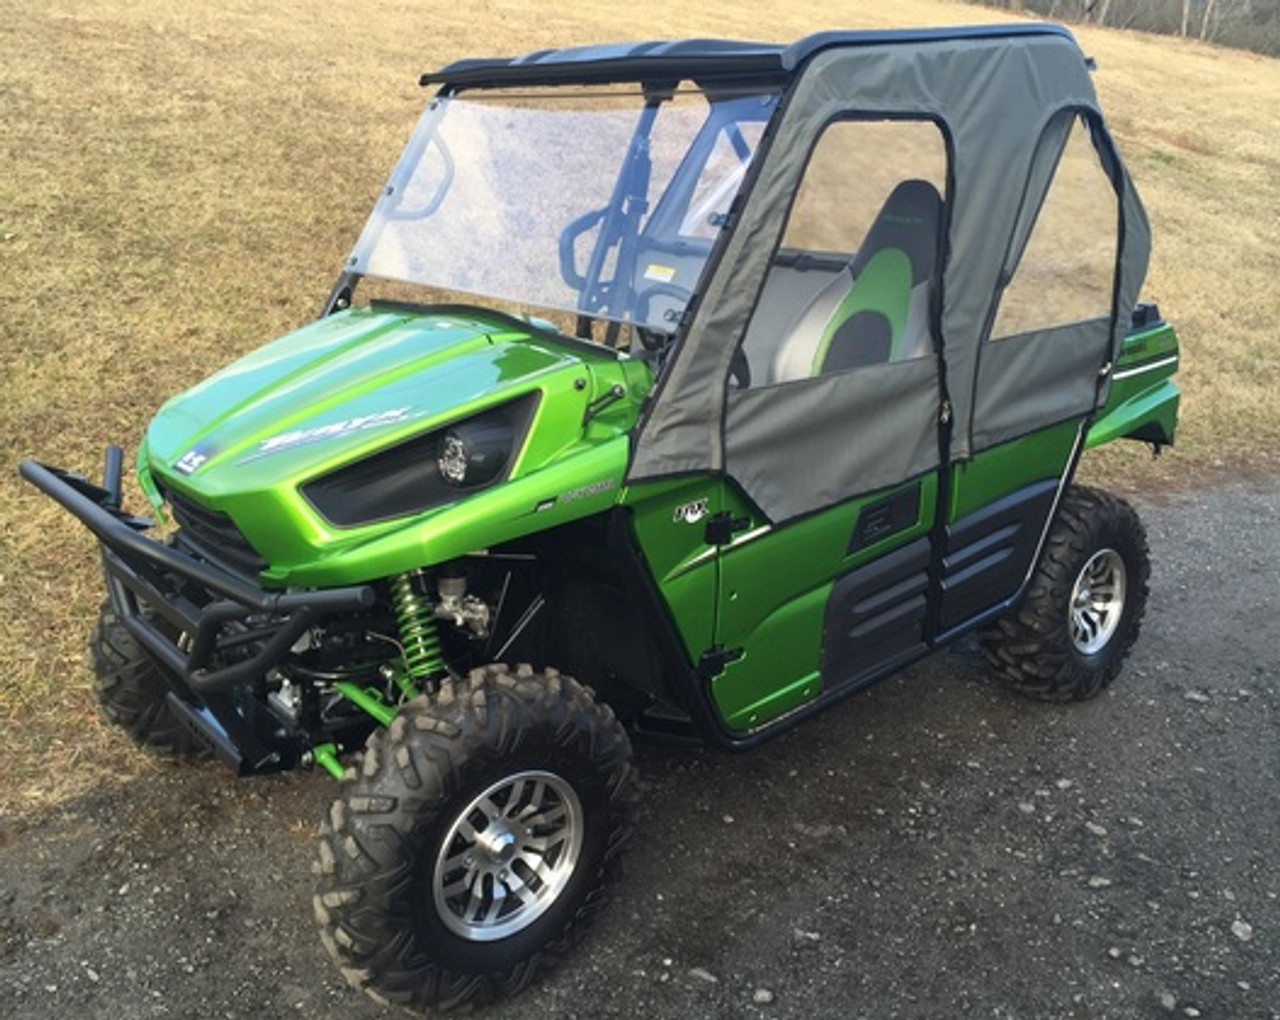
x=876, y=309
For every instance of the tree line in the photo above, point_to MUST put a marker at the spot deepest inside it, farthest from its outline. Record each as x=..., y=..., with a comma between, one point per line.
x=1245, y=24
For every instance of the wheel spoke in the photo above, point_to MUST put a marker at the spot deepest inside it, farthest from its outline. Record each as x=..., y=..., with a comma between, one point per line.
x=516, y=797
x=542, y=870
x=520, y=890
x=453, y=888
x=546, y=819
x=475, y=905
x=508, y=855
x=1097, y=602
x=495, y=906
x=526, y=801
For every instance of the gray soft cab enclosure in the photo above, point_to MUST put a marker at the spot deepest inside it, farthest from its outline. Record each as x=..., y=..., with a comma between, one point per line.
x=885, y=357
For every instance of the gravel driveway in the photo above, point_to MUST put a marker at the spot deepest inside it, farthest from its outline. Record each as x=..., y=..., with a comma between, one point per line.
x=932, y=848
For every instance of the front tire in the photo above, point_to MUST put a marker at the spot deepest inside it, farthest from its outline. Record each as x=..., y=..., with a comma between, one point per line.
x=133, y=693
x=1069, y=636
x=477, y=841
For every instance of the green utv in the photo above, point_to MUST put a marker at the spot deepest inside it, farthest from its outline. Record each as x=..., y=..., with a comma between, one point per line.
x=756, y=373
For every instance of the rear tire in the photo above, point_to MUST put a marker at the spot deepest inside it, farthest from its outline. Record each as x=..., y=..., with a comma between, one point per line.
x=132, y=691
x=478, y=841
x=1069, y=636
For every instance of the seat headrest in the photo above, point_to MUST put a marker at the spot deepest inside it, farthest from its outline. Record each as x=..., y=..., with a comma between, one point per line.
x=909, y=220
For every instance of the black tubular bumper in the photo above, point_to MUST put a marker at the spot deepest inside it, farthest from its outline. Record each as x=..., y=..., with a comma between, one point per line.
x=214, y=611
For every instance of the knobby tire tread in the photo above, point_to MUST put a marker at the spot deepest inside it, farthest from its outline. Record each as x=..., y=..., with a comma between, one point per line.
x=132, y=691
x=406, y=782
x=1030, y=647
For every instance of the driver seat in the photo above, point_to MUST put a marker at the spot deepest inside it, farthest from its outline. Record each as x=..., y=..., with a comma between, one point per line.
x=876, y=309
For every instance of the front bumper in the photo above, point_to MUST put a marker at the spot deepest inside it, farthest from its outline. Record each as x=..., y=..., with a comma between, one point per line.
x=214, y=611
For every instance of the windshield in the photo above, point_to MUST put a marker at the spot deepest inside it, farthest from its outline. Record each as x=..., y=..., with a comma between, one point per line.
x=605, y=204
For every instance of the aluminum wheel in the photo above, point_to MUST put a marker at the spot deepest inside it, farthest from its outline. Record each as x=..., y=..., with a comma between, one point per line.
x=508, y=856
x=1097, y=601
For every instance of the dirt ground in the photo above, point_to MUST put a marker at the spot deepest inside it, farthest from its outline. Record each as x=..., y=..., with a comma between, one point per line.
x=934, y=847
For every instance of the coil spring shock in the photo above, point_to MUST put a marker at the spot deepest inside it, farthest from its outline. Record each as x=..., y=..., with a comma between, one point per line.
x=419, y=634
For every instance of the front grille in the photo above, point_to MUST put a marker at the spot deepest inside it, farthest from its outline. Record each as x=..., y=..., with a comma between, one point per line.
x=215, y=536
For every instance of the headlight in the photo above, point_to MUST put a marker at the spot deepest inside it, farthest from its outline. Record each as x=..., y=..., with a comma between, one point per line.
x=475, y=452
x=426, y=471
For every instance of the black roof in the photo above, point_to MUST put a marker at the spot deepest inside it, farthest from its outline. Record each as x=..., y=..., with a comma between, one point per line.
x=707, y=60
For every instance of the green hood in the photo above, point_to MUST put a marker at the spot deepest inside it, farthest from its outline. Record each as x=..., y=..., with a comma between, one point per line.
x=246, y=442
x=337, y=389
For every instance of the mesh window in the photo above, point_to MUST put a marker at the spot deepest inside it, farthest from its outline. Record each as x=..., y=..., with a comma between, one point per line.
x=853, y=170
x=850, y=286
x=1067, y=272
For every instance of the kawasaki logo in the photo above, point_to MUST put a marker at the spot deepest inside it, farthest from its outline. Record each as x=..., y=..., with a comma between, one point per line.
x=190, y=461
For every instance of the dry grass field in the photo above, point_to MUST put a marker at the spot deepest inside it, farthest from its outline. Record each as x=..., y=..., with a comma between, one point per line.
x=180, y=180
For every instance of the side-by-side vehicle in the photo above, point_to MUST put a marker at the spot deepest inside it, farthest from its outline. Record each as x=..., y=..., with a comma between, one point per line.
x=707, y=381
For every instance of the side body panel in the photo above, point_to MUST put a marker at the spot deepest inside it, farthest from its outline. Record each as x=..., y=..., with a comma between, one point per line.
x=779, y=586
x=834, y=601
x=669, y=524
x=1143, y=402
